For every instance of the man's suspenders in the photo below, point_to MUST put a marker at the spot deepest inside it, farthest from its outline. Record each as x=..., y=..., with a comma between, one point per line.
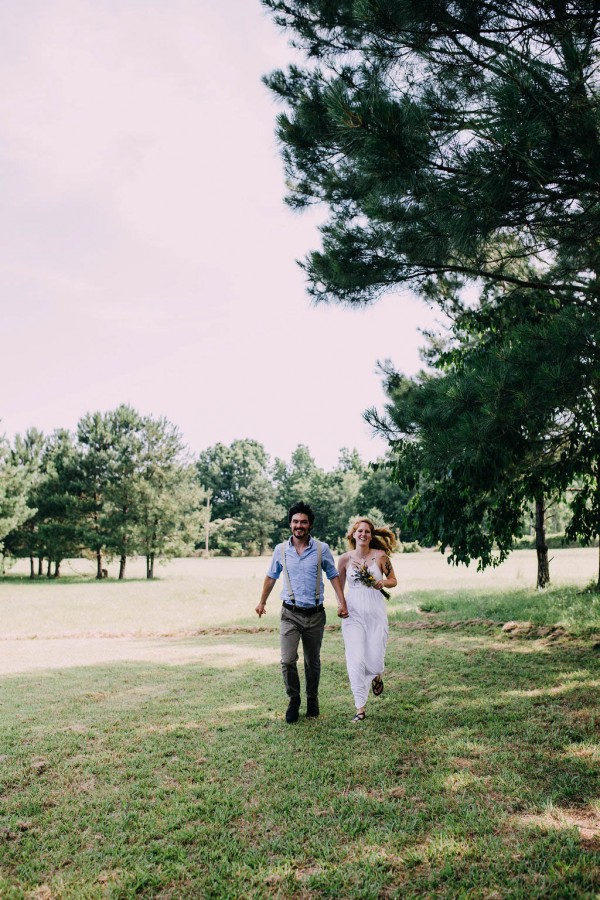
x=287, y=576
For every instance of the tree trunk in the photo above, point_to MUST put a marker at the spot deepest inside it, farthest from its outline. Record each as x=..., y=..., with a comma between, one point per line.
x=57, y=569
x=124, y=545
x=99, y=564
x=150, y=565
x=40, y=566
x=598, y=492
x=31, y=566
x=49, y=568
x=543, y=567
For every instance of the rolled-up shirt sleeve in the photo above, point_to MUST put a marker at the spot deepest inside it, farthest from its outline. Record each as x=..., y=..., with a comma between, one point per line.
x=328, y=564
x=275, y=567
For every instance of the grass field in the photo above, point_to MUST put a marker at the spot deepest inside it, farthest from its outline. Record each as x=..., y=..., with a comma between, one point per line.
x=143, y=750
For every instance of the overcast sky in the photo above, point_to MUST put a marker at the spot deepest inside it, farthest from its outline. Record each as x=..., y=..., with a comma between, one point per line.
x=147, y=256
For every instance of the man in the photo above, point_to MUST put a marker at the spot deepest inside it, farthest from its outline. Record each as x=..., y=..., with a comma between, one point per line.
x=301, y=558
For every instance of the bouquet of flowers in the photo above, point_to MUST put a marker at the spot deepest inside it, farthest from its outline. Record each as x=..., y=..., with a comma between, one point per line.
x=366, y=577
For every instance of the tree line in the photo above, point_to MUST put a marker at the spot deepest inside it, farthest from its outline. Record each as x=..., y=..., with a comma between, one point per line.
x=249, y=496
x=124, y=485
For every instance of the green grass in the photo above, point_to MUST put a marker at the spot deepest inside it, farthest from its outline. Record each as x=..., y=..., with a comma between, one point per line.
x=475, y=775
x=573, y=608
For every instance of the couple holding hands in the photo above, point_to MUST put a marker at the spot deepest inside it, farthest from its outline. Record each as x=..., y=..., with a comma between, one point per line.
x=366, y=570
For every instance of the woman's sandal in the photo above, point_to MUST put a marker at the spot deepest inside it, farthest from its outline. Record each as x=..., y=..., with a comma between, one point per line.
x=377, y=685
x=359, y=717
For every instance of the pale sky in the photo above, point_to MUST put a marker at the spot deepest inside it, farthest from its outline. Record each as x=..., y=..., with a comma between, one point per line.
x=147, y=256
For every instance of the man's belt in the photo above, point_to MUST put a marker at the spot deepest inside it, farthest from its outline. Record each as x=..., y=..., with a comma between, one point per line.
x=305, y=610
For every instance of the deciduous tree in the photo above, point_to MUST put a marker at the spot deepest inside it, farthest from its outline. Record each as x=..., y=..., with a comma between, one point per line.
x=242, y=494
x=169, y=501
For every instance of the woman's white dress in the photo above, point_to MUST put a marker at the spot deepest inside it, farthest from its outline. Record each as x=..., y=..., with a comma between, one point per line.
x=365, y=631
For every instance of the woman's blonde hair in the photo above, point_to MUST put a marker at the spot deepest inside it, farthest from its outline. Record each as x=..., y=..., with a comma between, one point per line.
x=382, y=538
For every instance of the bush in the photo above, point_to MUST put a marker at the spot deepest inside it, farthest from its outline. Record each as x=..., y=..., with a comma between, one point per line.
x=554, y=542
x=410, y=547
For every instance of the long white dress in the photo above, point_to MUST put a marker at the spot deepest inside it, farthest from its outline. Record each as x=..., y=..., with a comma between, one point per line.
x=365, y=631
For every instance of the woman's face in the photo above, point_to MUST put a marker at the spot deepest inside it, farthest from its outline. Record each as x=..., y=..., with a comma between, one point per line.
x=362, y=534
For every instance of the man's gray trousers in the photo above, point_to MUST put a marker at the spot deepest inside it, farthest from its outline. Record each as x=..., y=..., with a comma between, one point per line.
x=297, y=626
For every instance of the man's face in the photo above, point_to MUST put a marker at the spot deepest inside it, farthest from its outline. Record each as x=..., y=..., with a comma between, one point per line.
x=300, y=525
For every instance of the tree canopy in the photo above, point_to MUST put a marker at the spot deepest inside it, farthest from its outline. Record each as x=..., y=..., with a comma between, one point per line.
x=450, y=140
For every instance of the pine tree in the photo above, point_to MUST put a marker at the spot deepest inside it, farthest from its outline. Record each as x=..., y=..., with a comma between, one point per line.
x=61, y=526
x=449, y=141
x=456, y=146
x=15, y=484
x=27, y=454
x=508, y=420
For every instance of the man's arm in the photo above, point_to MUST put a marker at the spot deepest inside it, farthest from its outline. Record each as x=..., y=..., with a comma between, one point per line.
x=268, y=585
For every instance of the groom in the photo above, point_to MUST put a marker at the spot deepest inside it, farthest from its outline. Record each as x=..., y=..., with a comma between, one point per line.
x=301, y=558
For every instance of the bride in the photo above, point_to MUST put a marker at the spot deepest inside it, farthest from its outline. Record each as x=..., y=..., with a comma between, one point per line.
x=367, y=570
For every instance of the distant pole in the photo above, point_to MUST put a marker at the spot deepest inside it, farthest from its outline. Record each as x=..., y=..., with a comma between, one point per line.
x=207, y=523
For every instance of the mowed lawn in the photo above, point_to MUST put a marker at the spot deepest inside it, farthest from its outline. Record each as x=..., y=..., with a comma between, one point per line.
x=143, y=750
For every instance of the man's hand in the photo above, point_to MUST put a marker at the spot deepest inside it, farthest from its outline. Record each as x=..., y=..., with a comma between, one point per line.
x=267, y=588
x=336, y=584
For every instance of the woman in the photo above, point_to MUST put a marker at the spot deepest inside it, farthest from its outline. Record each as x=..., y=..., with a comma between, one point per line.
x=366, y=569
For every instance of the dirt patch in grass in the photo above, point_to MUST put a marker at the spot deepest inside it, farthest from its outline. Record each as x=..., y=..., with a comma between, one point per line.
x=556, y=690
x=42, y=892
x=138, y=633
x=583, y=751
x=428, y=623
x=22, y=656
x=585, y=820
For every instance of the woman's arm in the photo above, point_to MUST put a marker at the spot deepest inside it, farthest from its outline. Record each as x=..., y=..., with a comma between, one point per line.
x=389, y=576
x=341, y=567
x=389, y=579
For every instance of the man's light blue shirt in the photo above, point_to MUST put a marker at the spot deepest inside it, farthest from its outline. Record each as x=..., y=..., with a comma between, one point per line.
x=302, y=570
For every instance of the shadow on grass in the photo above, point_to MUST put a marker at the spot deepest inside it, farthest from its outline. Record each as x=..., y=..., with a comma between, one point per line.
x=70, y=579
x=174, y=781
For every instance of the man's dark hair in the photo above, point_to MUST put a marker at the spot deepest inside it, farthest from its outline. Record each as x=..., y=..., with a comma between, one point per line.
x=302, y=509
